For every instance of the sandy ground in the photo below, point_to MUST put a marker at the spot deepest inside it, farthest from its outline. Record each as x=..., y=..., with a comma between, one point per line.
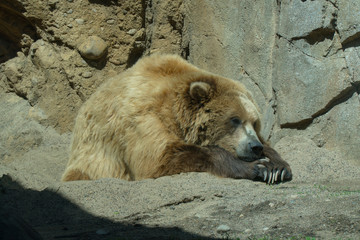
x=321, y=202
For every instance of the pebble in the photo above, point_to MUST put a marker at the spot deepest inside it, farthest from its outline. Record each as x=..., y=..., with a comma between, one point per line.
x=140, y=35
x=70, y=11
x=86, y=74
x=93, y=48
x=79, y=21
x=70, y=25
x=114, y=61
x=34, y=81
x=132, y=32
x=110, y=21
x=294, y=196
x=223, y=228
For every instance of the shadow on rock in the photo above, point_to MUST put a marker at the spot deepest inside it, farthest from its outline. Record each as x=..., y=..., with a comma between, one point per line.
x=30, y=214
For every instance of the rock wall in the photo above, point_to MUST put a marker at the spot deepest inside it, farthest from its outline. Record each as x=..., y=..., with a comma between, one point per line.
x=299, y=58
x=315, y=75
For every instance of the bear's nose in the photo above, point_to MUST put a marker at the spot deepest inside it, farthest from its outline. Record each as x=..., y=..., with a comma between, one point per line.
x=256, y=147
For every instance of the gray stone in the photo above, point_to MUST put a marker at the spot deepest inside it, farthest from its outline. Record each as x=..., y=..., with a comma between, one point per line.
x=223, y=228
x=79, y=21
x=131, y=32
x=86, y=74
x=93, y=48
x=110, y=21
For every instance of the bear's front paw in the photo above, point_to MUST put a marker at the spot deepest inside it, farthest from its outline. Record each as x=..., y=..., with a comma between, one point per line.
x=273, y=173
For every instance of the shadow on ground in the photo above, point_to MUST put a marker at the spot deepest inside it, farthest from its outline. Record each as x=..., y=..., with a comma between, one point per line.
x=29, y=214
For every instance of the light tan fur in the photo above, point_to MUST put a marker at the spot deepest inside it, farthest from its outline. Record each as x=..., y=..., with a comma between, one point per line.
x=125, y=128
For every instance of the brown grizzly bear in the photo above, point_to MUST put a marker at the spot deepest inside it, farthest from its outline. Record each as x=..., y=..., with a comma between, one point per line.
x=165, y=116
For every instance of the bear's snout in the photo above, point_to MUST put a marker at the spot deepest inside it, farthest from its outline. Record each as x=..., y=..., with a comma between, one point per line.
x=250, y=150
x=256, y=148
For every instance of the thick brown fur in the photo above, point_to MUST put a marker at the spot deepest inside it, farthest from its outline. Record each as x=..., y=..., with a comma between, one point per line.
x=164, y=116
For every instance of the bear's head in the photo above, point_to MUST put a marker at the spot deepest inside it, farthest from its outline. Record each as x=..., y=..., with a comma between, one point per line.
x=221, y=112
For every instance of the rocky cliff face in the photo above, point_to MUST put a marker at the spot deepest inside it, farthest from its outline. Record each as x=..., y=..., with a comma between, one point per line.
x=299, y=58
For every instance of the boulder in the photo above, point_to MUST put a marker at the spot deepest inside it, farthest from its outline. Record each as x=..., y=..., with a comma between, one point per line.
x=93, y=48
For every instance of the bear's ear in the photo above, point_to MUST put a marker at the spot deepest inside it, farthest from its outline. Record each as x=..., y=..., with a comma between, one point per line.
x=199, y=90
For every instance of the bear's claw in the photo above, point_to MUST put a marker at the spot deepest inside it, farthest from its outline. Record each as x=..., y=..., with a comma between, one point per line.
x=265, y=175
x=282, y=175
x=273, y=172
x=273, y=176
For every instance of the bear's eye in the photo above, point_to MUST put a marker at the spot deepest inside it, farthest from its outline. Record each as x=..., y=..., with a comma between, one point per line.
x=235, y=121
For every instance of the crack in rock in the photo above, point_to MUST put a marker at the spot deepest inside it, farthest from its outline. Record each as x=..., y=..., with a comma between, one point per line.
x=184, y=200
x=146, y=214
x=296, y=47
x=334, y=3
x=342, y=97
